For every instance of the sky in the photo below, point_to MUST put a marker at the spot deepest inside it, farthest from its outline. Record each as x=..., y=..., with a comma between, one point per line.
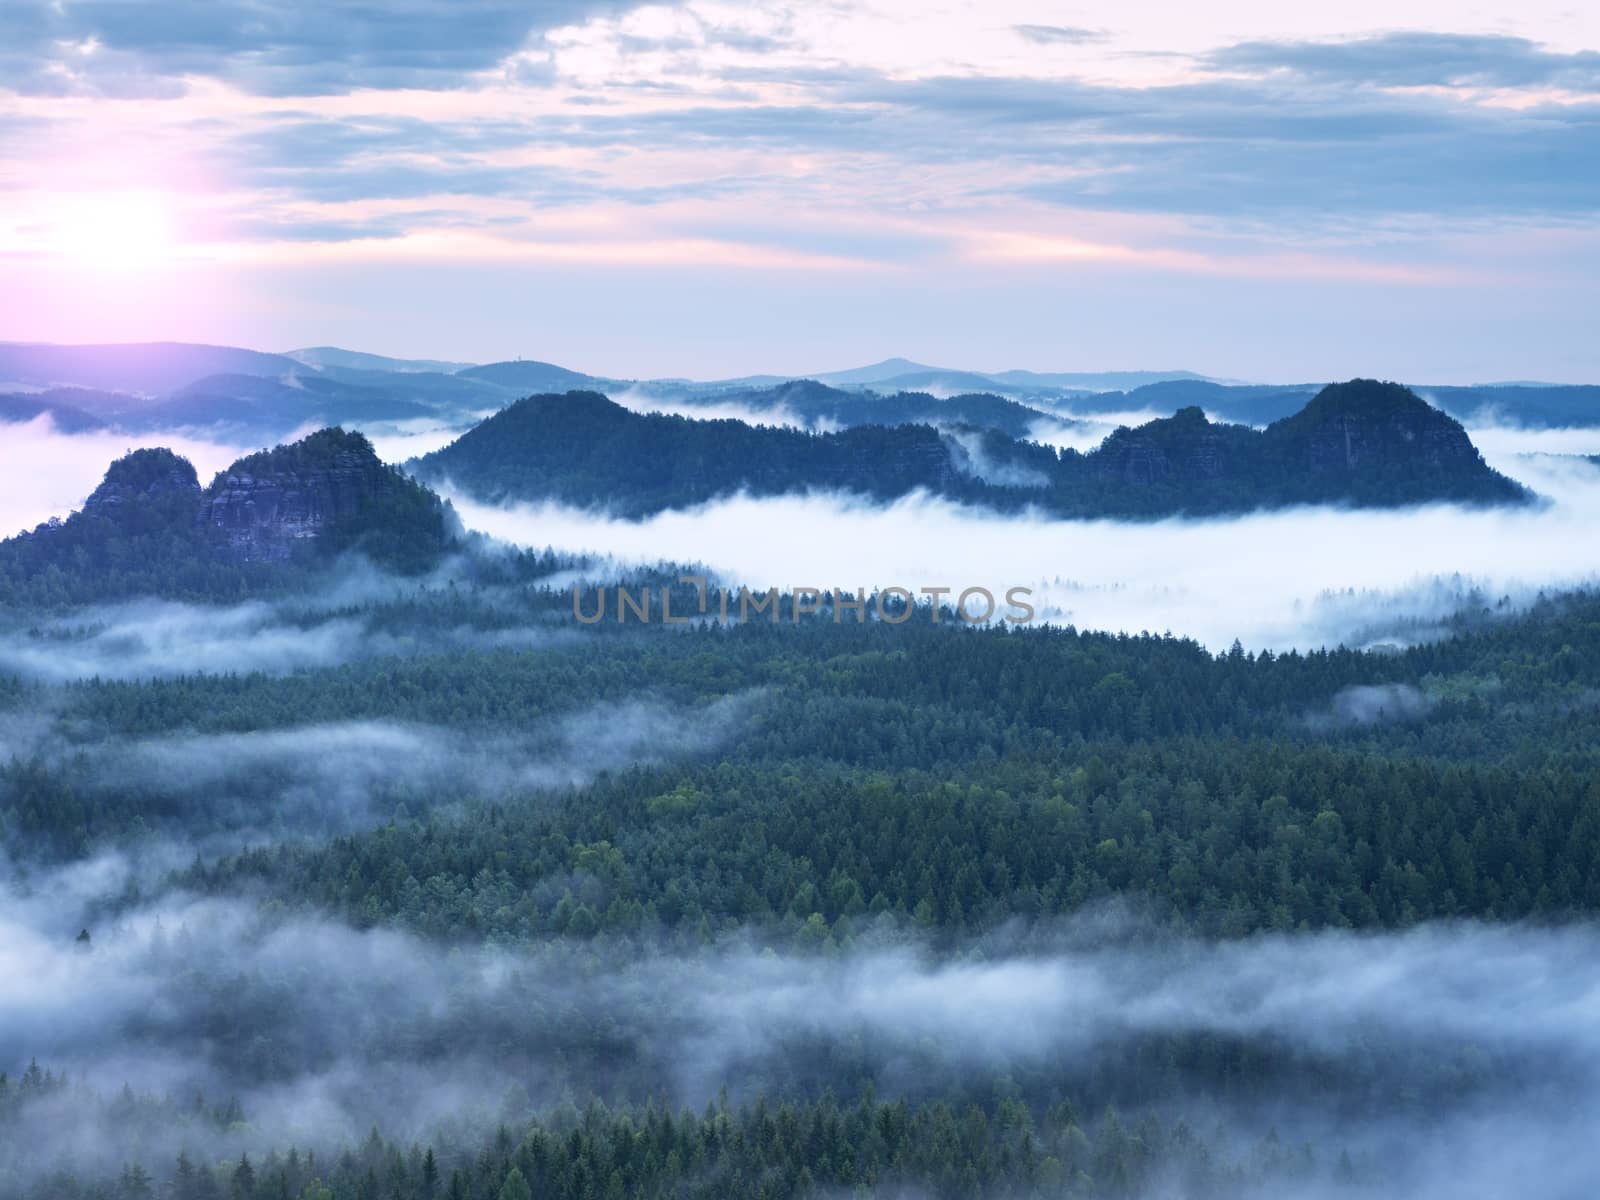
x=1251, y=190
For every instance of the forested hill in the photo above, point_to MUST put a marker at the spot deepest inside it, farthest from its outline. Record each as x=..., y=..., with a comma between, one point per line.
x=807, y=402
x=150, y=527
x=1360, y=443
x=582, y=448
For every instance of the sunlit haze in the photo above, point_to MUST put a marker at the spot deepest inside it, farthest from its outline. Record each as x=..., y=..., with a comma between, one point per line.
x=702, y=189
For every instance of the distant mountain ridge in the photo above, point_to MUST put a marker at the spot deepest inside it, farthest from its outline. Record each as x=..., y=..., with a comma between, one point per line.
x=144, y=368
x=530, y=376
x=819, y=406
x=1362, y=443
x=324, y=357
x=154, y=386
x=64, y=407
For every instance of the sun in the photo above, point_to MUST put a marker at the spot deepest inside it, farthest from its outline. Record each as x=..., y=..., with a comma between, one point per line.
x=115, y=230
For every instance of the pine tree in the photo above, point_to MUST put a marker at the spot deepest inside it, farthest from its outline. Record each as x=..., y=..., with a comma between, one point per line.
x=515, y=1186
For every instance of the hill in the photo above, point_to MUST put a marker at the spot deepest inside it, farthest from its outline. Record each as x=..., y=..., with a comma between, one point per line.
x=322, y=357
x=818, y=405
x=581, y=448
x=63, y=405
x=1550, y=406
x=149, y=528
x=1362, y=443
x=529, y=376
x=257, y=408
x=146, y=368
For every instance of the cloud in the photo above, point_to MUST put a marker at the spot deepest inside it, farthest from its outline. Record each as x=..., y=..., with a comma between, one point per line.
x=1229, y=148
x=1372, y=705
x=642, y=400
x=1059, y=35
x=216, y=790
x=296, y=47
x=149, y=638
x=45, y=473
x=1274, y=580
x=152, y=638
x=1418, y=59
x=321, y=1030
x=969, y=456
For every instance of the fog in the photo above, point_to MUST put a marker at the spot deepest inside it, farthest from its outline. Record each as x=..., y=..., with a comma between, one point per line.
x=1453, y=1059
x=1274, y=580
x=1420, y=1042
x=149, y=638
x=970, y=457
x=397, y=441
x=1374, y=704
x=1277, y=580
x=219, y=791
x=45, y=473
x=641, y=400
x=1092, y=428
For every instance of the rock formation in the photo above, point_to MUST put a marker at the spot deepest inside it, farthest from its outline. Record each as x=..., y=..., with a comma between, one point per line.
x=144, y=475
x=266, y=506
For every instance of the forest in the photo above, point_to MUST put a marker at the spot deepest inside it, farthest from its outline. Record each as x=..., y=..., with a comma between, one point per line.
x=349, y=863
x=1361, y=443
x=857, y=800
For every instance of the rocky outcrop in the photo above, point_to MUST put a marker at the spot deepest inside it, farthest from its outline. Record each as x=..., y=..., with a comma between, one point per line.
x=1365, y=426
x=268, y=506
x=886, y=460
x=148, y=529
x=144, y=476
x=1184, y=447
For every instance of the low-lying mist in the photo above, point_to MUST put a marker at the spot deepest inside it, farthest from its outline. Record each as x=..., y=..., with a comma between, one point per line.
x=1274, y=580
x=45, y=473
x=349, y=610
x=213, y=792
x=1405, y=1049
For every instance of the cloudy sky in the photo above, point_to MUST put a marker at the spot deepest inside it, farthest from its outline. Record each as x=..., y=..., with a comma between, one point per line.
x=1252, y=190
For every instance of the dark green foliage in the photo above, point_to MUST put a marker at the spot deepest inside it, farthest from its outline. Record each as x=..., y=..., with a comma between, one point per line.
x=143, y=531
x=583, y=449
x=818, y=405
x=316, y=451
x=1360, y=443
x=951, y=777
x=762, y=1151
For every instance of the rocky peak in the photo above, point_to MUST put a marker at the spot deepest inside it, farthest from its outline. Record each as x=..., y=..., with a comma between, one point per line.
x=267, y=505
x=1364, y=424
x=143, y=476
x=1184, y=446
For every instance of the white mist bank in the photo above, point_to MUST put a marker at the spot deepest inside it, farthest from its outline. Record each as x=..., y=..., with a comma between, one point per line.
x=380, y=1026
x=152, y=638
x=45, y=473
x=1273, y=580
x=221, y=791
x=1296, y=578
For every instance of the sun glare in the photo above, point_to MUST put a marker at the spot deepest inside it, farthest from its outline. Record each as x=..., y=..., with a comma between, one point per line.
x=114, y=229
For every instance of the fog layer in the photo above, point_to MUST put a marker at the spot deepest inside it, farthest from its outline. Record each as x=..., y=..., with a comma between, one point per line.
x=1418, y=1041
x=1276, y=580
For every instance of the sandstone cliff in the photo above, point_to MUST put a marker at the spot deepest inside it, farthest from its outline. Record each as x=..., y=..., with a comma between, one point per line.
x=1365, y=426
x=267, y=506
